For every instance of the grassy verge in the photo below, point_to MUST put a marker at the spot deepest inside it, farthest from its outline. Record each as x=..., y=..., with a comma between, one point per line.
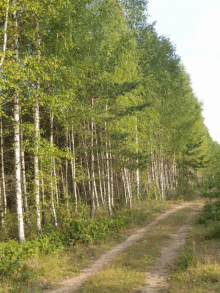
x=127, y=271
x=197, y=269
x=47, y=265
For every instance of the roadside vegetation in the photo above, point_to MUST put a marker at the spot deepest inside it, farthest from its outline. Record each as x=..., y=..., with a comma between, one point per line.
x=197, y=269
x=47, y=258
x=127, y=272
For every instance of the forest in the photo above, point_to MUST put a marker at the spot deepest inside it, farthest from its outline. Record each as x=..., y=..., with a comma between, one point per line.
x=97, y=113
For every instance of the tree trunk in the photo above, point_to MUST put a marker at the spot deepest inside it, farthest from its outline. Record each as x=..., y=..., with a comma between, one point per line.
x=108, y=169
x=3, y=171
x=124, y=184
x=20, y=222
x=5, y=33
x=73, y=167
x=23, y=173
x=83, y=182
x=2, y=218
x=92, y=202
x=99, y=170
x=37, y=142
x=137, y=171
x=66, y=191
x=43, y=203
x=126, y=175
x=53, y=210
x=111, y=178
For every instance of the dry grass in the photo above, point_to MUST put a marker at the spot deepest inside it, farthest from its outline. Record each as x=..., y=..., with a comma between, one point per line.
x=44, y=271
x=197, y=269
x=127, y=271
x=113, y=279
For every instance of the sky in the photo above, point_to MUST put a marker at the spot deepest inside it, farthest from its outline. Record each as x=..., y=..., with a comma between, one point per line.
x=193, y=26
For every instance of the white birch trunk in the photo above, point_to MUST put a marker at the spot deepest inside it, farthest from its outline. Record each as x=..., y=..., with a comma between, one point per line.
x=162, y=179
x=55, y=176
x=137, y=171
x=126, y=174
x=73, y=167
x=111, y=179
x=153, y=170
x=20, y=221
x=37, y=142
x=92, y=203
x=52, y=174
x=124, y=184
x=66, y=173
x=4, y=195
x=5, y=33
x=108, y=169
x=36, y=164
x=2, y=217
x=104, y=178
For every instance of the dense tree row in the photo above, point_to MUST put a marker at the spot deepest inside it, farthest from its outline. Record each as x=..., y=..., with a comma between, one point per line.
x=96, y=109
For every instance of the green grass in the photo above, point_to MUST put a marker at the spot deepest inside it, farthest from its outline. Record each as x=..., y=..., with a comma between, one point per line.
x=41, y=271
x=127, y=271
x=113, y=280
x=197, y=269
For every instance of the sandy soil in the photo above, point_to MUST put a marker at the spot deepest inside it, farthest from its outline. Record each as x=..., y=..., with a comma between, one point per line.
x=156, y=279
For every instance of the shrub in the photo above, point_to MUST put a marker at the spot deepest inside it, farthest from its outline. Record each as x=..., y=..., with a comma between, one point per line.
x=211, y=213
x=53, y=239
x=214, y=232
x=213, y=194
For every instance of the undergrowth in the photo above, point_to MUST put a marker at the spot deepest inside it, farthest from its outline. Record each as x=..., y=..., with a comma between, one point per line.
x=63, y=251
x=53, y=239
x=197, y=268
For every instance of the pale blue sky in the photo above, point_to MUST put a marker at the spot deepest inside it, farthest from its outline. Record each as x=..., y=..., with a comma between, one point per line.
x=194, y=27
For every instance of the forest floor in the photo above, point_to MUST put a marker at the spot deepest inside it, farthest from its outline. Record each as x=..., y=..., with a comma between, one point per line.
x=141, y=263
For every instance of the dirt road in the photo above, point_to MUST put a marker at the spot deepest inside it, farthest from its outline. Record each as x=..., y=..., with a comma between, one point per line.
x=156, y=278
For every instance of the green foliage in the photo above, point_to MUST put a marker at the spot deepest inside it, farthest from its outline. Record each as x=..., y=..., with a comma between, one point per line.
x=185, y=260
x=210, y=213
x=213, y=194
x=14, y=254
x=214, y=232
x=88, y=230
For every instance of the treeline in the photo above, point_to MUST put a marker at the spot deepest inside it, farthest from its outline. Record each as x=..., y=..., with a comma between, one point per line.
x=96, y=110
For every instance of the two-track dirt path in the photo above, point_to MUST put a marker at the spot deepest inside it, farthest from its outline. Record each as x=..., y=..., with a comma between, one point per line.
x=156, y=279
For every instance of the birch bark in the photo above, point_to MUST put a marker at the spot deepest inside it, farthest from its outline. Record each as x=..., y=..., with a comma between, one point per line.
x=137, y=171
x=52, y=174
x=37, y=142
x=20, y=221
x=4, y=195
x=5, y=33
x=108, y=169
x=2, y=218
x=92, y=202
x=73, y=167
